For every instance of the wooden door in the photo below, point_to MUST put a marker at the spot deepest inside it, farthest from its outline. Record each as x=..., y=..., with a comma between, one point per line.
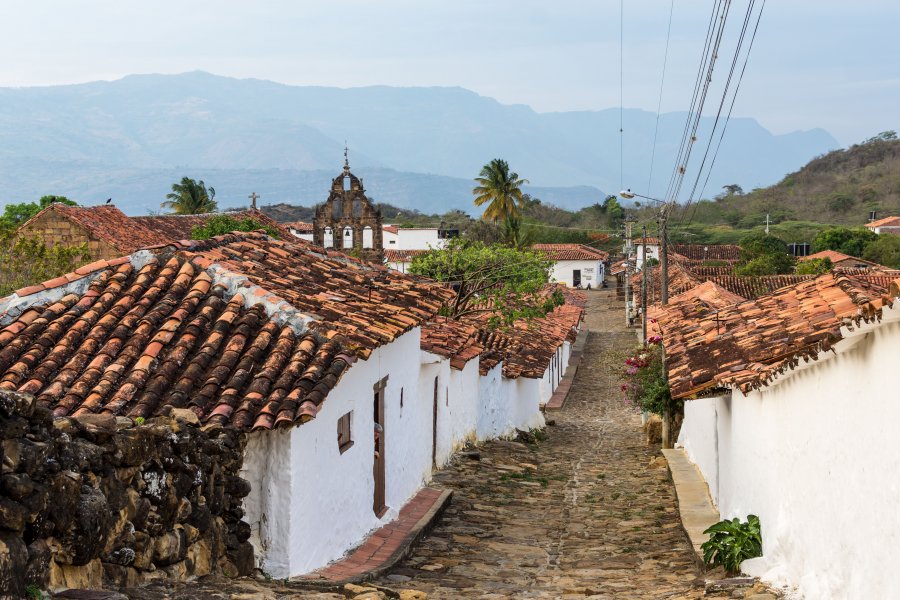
x=434, y=424
x=576, y=277
x=378, y=504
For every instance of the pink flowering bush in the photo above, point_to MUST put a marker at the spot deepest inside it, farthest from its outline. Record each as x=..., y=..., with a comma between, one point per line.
x=643, y=383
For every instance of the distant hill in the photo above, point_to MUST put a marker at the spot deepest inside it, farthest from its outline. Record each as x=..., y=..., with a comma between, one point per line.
x=840, y=187
x=416, y=147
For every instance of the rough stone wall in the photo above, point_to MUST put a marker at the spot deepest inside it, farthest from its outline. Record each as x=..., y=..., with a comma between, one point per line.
x=103, y=501
x=55, y=229
x=349, y=209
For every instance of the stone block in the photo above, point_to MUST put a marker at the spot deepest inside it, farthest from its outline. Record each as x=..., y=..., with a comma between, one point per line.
x=86, y=577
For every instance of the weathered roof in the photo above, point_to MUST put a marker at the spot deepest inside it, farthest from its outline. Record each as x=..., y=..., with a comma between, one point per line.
x=107, y=223
x=526, y=348
x=885, y=222
x=836, y=257
x=244, y=330
x=299, y=226
x=178, y=227
x=451, y=339
x=753, y=286
x=402, y=256
x=694, y=303
x=747, y=344
x=680, y=280
x=704, y=252
x=558, y=252
x=391, y=228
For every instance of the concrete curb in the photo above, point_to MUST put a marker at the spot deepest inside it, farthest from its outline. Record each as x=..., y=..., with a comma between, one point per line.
x=694, y=503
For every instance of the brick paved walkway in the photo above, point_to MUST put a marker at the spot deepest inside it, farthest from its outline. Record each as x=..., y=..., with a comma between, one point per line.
x=588, y=511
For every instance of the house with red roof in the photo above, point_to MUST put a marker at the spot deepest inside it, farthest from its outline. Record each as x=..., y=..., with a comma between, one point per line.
x=885, y=225
x=787, y=412
x=336, y=381
x=575, y=265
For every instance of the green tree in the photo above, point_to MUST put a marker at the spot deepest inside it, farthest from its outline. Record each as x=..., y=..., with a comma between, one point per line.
x=814, y=266
x=763, y=254
x=17, y=214
x=222, y=224
x=500, y=281
x=852, y=241
x=500, y=189
x=27, y=261
x=885, y=251
x=190, y=197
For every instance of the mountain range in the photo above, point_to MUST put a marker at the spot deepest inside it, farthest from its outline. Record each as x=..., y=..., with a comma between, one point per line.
x=130, y=139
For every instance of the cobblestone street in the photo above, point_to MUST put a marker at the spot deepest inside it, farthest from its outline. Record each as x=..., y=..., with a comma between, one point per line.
x=588, y=511
x=585, y=511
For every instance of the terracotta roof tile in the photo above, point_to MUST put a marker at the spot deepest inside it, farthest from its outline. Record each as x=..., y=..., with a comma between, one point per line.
x=107, y=223
x=559, y=252
x=747, y=344
x=402, y=256
x=173, y=228
x=140, y=342
x=706, y=252
x=885, y=222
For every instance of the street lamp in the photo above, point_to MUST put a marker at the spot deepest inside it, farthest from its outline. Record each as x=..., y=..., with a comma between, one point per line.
x=663, y=240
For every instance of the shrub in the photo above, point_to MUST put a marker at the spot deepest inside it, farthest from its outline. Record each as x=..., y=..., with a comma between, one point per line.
x=732, y=542
x=222, y=224
x=27, y=261
x=644, y=381
x=814, y=266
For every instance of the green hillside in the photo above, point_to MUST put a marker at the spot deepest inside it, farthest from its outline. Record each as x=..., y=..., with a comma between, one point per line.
x=838, y=188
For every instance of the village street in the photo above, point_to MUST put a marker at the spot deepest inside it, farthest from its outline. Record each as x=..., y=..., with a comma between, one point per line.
x=587, y=511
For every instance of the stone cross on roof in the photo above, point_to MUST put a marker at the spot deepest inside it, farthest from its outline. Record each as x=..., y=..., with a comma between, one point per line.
x=253, y=198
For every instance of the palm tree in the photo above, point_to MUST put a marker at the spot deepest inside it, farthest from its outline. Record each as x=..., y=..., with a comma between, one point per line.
x=191, y=198
x=500, y=190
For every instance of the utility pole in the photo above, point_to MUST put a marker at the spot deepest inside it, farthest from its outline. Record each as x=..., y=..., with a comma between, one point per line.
x=629, y=295
x=664, y=253
x=644, y=274
x=767, y=223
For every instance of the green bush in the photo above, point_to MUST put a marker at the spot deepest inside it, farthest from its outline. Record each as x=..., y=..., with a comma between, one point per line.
x=27, y=261
x=222, y=224
x=732, y=542
x=814, y=266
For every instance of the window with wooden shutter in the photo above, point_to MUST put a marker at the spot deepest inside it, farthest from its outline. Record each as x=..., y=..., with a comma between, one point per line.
x=345, y=442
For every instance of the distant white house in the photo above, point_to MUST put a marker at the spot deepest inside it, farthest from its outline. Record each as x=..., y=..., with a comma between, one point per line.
x=301, y=229
x=638, y=246
x=416, y=238
x=885, y=225
x=575, y=265
x=399, y=260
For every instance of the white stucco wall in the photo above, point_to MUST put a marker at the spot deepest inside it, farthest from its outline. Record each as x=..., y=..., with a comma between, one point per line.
x=816, y=457
x=324, y=498
x=591, y=272
x=398, y=266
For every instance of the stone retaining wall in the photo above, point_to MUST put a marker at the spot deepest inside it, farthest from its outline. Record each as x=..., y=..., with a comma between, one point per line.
x=104, y=501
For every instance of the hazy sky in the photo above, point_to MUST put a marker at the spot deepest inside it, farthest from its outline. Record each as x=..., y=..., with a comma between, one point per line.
x=816, y=63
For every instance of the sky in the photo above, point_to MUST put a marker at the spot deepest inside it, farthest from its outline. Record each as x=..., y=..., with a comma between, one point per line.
x=815, y=63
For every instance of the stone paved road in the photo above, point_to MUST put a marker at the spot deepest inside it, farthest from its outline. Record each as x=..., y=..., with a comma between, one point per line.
x=587, y=512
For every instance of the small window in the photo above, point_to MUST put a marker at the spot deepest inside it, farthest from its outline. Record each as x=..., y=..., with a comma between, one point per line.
x=345, y=442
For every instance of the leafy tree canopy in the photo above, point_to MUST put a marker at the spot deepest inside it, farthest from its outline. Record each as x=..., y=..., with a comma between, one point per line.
x=885, y=251
x=501, y=281
x=814, y=266
x=222, y=224
x=763, y=254
x=852, y=241
x=190, y=197
x=27, y=261
x=17, y=214
x=500, y=189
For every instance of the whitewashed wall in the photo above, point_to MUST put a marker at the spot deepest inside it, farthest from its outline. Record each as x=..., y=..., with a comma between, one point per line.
x=591, y=272
x=398, y=266
x=463, y=406
x=816, y=457
x=321, y=499
x=652, y=252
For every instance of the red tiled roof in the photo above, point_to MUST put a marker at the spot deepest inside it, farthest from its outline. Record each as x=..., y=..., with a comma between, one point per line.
x=178, y=227
x=107, y=223
x=885, y=222
x=680, y=280
x=694, y=303
x=755, y=285
x=527, y=348
x=369, y=304
x=299, y=226
x=558, y=252
x=178, y=332
x=747, y=344
x=391, y=229
x=402, y=256
x=451, y=339
x=704, y=252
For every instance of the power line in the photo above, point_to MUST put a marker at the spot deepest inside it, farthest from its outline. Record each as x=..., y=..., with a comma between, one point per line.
x=659, y=103
x=731, y=107
x=621, y=94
